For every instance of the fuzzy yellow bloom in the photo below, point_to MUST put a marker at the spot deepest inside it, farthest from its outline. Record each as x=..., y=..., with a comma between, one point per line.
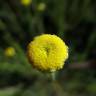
x=9, y=52
x=26, y=2
x=47, y=52
x=41, y=7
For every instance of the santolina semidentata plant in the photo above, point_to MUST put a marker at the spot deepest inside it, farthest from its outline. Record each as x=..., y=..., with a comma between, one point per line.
x=47, y=52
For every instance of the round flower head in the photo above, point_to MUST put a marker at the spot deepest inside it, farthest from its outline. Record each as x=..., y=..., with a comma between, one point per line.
x=41, y=7
x=9, y=52
x=47, y=52
x=26, y=2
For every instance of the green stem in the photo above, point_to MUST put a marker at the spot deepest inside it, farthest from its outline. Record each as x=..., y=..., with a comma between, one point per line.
x=53, y=76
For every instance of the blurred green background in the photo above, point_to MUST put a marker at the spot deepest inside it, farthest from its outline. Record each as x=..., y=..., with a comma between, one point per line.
x=72, y=20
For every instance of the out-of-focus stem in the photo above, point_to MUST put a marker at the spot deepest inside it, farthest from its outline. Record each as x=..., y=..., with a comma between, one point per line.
x=53, y=75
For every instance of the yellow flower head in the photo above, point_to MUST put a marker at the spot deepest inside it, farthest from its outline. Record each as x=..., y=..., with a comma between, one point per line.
x=9, y=52
x=47, y=52
x=26, y=2
x=41, y=7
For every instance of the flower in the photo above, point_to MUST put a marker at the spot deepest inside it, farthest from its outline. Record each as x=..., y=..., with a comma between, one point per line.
x=47, y=52
x=41, y=7
x=9, y=52
x=26, y=2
